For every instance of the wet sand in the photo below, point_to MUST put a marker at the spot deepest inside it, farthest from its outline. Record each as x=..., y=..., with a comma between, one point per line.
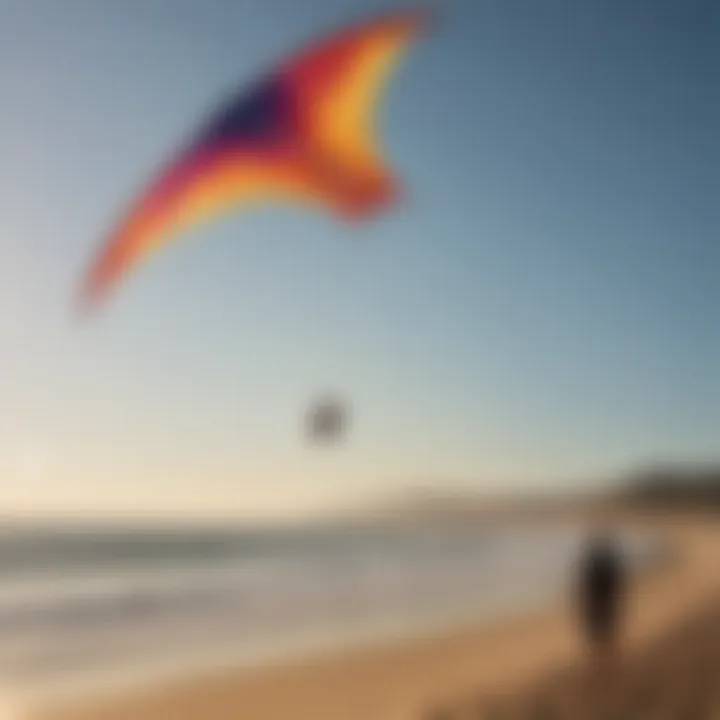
x=404, y=681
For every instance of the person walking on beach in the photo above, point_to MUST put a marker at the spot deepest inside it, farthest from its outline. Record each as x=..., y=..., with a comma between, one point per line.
x=602, y=594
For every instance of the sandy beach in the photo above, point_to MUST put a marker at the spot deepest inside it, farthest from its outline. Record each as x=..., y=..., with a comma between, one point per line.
x=404, y=681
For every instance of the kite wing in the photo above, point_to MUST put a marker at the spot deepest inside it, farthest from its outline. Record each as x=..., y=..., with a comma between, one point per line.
x=305, y=133
x=339, y=85
x=197, y=189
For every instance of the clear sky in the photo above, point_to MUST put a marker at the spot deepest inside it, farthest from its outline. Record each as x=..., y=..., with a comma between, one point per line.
x=542, y=308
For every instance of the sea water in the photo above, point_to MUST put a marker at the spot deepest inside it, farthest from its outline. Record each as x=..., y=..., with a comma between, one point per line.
x=82, y=608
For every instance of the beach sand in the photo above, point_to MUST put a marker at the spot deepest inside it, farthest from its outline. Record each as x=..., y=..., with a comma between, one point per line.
x=405, y=680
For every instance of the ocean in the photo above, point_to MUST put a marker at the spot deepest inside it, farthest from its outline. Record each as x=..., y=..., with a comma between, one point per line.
x=83, y=609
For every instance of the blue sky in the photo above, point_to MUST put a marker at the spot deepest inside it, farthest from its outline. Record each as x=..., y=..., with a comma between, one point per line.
x=541, y=309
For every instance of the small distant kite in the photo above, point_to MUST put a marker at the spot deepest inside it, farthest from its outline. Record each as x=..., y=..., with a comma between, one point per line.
x=303, y=133
x=327, y=420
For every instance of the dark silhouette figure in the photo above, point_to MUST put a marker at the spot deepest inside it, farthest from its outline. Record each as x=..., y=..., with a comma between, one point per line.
x=602, y=593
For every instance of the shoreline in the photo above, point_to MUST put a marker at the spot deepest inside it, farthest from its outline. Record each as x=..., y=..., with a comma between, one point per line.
x=400, y=678
x=315, y=648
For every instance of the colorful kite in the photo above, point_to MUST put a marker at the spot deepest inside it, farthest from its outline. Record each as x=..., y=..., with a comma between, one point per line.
x=304, y=133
